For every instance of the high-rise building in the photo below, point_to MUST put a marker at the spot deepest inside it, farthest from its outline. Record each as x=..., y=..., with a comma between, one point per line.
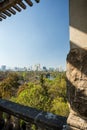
x=44, y=68
x=37, y=67
x=3, y=67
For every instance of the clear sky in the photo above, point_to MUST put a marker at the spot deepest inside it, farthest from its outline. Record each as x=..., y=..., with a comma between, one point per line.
x=39, y=34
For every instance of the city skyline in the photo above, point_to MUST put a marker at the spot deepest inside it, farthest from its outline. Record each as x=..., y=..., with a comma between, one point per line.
x=37, y=35
x=31, y=67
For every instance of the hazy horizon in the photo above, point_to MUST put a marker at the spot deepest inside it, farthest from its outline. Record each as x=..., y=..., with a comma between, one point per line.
x=39, y=34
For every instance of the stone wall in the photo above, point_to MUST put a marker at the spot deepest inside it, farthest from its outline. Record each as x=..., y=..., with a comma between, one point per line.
x=77, y=65
x=77, y=88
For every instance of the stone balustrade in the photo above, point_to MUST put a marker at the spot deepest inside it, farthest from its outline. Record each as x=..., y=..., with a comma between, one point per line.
x=14, y=113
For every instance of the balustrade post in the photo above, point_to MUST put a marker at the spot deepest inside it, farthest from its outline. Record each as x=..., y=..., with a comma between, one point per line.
x=8, y=122
x=23, y=125
x=16, y=123
x=39, y=128
x=28, y=126
x=1, y=113
x=2, y=122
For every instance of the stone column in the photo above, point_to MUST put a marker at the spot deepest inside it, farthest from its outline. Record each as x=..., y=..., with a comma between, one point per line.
x=77, y=66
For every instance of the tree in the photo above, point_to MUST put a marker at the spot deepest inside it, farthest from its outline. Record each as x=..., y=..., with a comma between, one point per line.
x=9, y=86
x=60, y=107
x=33, y=96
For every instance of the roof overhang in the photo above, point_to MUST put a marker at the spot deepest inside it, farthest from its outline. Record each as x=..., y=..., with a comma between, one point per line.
x=9, y=7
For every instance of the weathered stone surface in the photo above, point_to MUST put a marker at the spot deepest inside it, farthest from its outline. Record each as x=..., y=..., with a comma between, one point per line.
x=42, y=119
x=77, y=87
x=77, y=121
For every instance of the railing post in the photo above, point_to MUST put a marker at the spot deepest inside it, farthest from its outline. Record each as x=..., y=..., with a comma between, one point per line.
x=28, y=126
x=23, y=125
x=2, y=122
x=16, y=123
x=1, y=113
x=8, y=122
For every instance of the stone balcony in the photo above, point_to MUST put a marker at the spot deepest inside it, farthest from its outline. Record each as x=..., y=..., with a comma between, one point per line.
x=31, y=116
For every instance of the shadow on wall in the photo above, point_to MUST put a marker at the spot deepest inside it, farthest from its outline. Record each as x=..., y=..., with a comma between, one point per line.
x=77, y=79
x=77, y=57
x=77, y=99
x=78, y=17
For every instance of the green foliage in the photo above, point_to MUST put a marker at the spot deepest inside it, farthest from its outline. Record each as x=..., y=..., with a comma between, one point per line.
x=60, y=107
x=57, y=87
x=37, y=91
x=42, y=79
x=34, y=97
x=9, y=85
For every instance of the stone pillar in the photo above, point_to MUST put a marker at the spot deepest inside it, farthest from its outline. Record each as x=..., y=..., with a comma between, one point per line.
x=77, y=66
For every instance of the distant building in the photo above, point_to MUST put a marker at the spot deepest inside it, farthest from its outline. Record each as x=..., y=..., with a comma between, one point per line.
x=51, y=69
x=57, y=69
x=37, y=67
x=25, y=69
x=60, y=69
x=3, y=68
x=16, y=68
x=44, y=68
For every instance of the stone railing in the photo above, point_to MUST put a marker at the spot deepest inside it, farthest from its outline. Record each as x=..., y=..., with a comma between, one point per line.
x=15, y=113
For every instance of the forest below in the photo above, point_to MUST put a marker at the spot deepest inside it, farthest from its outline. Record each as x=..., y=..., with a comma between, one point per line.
x=42, y=90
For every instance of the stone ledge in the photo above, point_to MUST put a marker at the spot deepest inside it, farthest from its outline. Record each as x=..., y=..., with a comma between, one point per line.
x=32, y=115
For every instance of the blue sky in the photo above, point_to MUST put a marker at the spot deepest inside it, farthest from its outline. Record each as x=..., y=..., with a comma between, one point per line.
x=39, y=34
